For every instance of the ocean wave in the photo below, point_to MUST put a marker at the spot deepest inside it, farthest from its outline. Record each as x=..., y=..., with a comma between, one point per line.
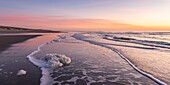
x=158, y=44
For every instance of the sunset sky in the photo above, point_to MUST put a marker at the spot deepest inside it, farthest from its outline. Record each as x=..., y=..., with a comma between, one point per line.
x=119, y=15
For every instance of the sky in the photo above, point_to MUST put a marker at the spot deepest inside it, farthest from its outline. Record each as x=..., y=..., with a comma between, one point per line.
x=116, y=15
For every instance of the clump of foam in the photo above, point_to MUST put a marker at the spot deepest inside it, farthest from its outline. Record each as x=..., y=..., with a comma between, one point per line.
x=56, y=60
x=21, y=72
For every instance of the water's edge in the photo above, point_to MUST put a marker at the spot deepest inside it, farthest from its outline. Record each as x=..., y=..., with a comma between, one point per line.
x=46, y=79
x=79, y=37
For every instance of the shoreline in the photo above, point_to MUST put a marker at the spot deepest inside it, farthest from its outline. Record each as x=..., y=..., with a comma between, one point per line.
x=11, y=63
x=148, y=75
x=8, y=40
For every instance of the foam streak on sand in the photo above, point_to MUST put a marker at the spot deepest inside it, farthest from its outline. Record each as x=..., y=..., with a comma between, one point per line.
x=46, y=79
x=140, y=71
x=81, y=37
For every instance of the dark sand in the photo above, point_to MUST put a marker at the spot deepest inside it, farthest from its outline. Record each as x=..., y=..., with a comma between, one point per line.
x=7, y=40
x=10, y=63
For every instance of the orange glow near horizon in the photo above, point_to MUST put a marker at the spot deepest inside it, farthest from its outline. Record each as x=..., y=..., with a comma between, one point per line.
x=62, y=23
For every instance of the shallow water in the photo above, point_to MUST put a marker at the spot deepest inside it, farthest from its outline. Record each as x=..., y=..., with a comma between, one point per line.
x=91, y=64
x=148, y=51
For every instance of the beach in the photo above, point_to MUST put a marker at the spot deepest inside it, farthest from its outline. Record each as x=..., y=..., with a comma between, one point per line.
x=91, y=65
x=147, y=51
x=14, y=49
x=7, y=40
x=84, y=42
x=95, y=58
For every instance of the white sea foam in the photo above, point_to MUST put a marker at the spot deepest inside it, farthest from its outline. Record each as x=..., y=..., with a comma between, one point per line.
x=56, y=60
x=49, y=62
x=21, y=72
x=46, y=78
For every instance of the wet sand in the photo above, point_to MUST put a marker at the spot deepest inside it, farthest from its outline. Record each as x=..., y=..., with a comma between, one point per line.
x=7, y=40
x=13, y=57
x=91, y=64
x=12, y=60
